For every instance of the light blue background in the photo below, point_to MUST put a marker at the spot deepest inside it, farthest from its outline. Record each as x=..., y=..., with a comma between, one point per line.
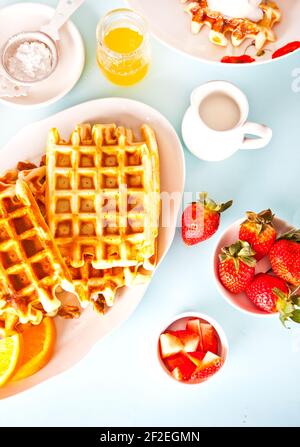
x=116, y=383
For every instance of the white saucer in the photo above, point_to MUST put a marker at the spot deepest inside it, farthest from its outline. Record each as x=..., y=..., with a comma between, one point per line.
x=30, y=17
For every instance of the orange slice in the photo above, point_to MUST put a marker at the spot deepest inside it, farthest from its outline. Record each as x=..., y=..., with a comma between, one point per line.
x=39, y=344
x=11, y=349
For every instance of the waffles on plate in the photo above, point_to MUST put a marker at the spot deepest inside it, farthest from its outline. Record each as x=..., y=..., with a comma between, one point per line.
x=31, y=265
x=239, y=29
x=99, y=195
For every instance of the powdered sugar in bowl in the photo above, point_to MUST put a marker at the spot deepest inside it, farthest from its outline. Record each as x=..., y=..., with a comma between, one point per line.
x=29, y=57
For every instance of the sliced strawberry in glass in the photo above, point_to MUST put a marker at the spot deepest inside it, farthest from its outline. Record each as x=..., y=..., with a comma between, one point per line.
x=196, y=357
x=169, y=345
x=194, y=326
x=210, y=340
x=189, y=339
x=181, y=366
x=208, y=367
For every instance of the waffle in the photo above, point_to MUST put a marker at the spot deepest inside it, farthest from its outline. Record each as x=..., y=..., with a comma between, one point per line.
x=240, y=29
x=101, y=285
x=33, y=175
x=102, y=196
x=30, y=264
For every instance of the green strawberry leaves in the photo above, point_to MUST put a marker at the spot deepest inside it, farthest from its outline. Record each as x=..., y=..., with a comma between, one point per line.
x=296, y=316
x=261, y=220
x=239, y=251
x=288, y=306
x=293, y=235
x=212, y=205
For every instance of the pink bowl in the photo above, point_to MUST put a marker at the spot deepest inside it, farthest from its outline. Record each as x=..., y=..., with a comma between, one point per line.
x=178, y=323
x=241, y=301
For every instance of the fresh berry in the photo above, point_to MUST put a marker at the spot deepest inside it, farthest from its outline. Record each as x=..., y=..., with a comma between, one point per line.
x=196, y=357
x=285, y=257
x=209, y=338
x=258, y=230
x=209, y=366
x=200, y=220
x=194, y=326
x=237, y=266
x=182, y=364
x=188, y=339
x=170, y=345
x=261, y=291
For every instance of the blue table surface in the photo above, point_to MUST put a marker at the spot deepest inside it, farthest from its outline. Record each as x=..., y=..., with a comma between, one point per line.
x=115, y=384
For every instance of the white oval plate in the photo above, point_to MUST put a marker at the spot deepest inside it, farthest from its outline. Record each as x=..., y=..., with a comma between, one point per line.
x=30, y=17
x=76, y=337
x=172, y=25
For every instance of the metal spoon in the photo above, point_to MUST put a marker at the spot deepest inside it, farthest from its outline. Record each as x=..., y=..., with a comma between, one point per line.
x=48, y=35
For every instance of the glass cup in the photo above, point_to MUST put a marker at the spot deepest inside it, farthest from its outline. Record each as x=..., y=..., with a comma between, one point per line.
x=123, y=49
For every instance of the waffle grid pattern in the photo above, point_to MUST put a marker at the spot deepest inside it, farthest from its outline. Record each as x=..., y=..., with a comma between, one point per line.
x=30, y=264
x=99, y=195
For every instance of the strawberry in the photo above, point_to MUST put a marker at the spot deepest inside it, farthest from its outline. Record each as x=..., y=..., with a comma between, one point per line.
x=169, y=345
x=285, y=257
x=261, y=291
x=210, y=340
x=237, y=266
x=200, y=220
x=194, y=326
x=189, y=340
x=196, y=357
x=182, y=364
x=258, y=230
x=208, y=367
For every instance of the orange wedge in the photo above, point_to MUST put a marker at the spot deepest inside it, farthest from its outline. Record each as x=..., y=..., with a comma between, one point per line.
x=11, y=349
x=39, y=344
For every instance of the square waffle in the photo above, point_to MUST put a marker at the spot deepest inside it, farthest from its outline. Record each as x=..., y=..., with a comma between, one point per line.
x=239, y=28
x=31, y=266
x=102, y=195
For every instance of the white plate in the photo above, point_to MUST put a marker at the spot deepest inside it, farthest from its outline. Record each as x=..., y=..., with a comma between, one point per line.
x=171, y=24
x=241, y=301
x=76, y=337
x=30, y=17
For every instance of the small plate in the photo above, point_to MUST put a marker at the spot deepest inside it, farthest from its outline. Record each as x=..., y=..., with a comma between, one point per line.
x=241, y=301
x=90, y=327
x=179, y=323
x=30, y=17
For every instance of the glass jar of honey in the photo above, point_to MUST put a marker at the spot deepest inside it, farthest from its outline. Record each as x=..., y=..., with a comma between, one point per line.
x=123, y=49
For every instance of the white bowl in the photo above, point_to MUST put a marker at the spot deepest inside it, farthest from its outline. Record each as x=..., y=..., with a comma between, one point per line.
x=241, y=301
x=172, y=25
x=179, y=322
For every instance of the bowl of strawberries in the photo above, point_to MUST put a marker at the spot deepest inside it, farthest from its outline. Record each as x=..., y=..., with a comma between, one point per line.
x=192, y=348
x=256, y=266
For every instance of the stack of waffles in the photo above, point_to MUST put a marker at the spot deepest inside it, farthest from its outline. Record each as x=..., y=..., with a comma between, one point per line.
x=240, y=29
x=85, y=221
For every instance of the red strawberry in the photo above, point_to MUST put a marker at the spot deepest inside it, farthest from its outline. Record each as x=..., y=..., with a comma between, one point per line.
x=182, y=366
x=189, y=340
x=200, y=220
x=169, y=345
x=196, y=357
x=258, y=230
x=237, y=266
x=285, y=257
x=208, y=367
x=194, y=326
x=209, y=338
x=261, y=291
